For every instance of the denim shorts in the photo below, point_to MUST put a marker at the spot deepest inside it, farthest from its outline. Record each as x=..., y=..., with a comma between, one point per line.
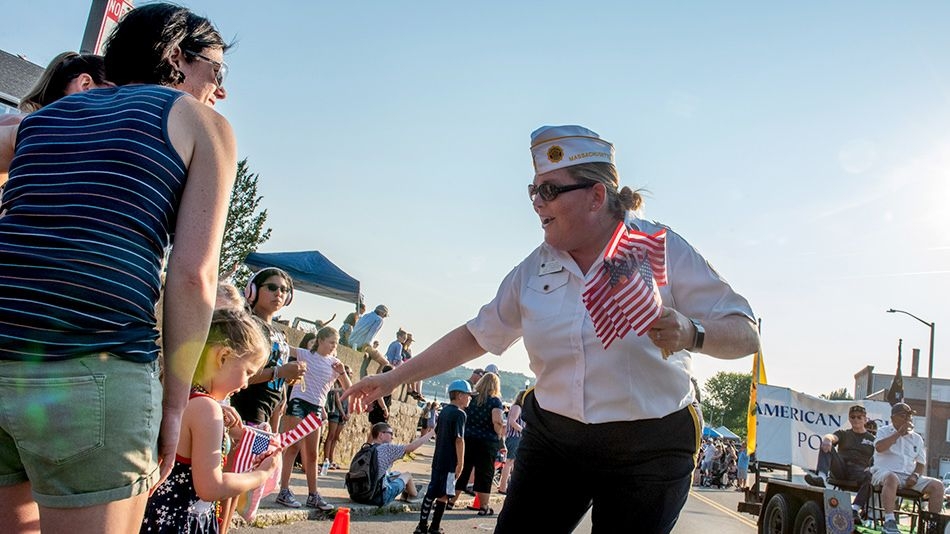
x=301, y=408
x=82, y=431
x=511, y=443
x=392, y=488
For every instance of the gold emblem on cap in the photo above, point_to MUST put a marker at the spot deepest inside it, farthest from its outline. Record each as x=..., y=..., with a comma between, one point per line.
x=555, y=154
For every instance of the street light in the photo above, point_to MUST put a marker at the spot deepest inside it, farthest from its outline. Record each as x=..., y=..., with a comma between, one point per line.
x=930, y=365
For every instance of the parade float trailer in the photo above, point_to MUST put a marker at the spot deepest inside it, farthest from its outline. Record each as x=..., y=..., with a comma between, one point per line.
x=789, y=427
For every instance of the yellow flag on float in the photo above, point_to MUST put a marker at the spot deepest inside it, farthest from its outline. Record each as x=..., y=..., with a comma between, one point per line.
x=758, y=377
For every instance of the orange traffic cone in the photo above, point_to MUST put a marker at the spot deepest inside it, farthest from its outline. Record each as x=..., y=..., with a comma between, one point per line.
x=341, y=522
x=477, y=505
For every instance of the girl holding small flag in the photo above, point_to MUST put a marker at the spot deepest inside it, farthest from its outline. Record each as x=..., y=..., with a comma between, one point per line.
x=610, y=306
x=185, y=501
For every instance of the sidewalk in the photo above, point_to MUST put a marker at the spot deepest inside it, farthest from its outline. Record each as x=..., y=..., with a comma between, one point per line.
x=333, y=491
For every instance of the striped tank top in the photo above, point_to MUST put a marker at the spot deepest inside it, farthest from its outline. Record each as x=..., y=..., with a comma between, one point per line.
x=86, y=219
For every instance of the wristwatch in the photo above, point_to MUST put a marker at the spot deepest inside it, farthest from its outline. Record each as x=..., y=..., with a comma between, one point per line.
x=699, y=337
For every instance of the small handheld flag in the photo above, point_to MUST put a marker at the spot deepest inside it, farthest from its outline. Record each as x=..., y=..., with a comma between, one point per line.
x=254, y=442
x=624, y=293
x=309, y=424
x=251, y=448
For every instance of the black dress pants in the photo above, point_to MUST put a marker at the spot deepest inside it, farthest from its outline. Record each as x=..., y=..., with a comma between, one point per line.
x=635, y=474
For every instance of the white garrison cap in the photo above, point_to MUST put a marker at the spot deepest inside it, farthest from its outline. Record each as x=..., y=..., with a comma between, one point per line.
x=556, y=147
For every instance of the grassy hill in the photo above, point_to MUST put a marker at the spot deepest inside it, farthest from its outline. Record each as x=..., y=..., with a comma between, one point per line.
x=511, y=383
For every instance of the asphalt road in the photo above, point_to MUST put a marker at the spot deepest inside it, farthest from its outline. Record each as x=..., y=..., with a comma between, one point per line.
x=707, y=510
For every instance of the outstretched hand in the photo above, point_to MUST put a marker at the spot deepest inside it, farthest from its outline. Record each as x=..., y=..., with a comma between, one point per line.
x=365, y=391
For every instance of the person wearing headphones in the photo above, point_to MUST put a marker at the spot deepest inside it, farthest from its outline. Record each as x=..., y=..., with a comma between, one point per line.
x=267, y=292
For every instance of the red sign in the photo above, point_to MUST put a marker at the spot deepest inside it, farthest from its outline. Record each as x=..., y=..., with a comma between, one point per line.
x=114, y=11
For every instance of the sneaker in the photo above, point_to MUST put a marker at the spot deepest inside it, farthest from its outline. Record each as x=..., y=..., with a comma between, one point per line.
x=420, y=494
x=890, y=527
x=814, y=480
x=314, y=500
x=286, y=498
x=421, y=529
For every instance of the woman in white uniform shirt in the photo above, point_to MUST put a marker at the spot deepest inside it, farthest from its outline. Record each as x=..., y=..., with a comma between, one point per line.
x=618, y=420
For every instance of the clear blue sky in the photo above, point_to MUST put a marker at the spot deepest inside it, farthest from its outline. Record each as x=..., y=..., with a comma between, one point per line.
x=803, y=148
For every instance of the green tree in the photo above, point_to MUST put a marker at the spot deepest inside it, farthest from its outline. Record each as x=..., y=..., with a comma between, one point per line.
x=726, y=400
x=838, y=394
x=244, y=230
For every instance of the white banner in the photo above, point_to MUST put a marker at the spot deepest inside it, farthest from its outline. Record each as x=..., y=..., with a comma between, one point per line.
x=790, y=425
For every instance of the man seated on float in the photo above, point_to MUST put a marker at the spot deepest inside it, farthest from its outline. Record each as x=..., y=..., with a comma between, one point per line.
x=900, y=460
x=846, y=455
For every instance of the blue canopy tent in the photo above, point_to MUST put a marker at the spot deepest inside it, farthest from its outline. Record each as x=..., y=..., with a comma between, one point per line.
x=312, y=272
x=710, y=432
x=727, y=434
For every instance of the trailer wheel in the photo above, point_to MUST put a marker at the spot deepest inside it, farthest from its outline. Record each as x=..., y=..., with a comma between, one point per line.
x=810, y=519
x=777, y=518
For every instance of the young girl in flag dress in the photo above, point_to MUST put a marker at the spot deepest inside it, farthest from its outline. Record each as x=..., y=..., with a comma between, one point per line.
x=185, y=502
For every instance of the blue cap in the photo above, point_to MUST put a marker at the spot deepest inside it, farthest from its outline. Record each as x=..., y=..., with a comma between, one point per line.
x=461, y=385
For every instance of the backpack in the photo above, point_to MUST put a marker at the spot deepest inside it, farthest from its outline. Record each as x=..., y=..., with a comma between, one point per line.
x=364, y=482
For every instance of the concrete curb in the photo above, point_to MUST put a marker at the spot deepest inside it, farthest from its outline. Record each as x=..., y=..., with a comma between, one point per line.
x=272, y=517
x=332, y=489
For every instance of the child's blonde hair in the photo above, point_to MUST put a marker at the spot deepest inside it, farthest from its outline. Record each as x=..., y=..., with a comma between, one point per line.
x=237, y=330
x=228, y=296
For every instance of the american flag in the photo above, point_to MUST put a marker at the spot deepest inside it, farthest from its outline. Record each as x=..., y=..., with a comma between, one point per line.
x=624, y=294
x=256, y=441
x=249, y=501
x=304, y=427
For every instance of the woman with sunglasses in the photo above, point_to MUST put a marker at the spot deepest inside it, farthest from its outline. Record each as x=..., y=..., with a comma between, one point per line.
x=102, y=183
x=267, y=292
x=630, y=394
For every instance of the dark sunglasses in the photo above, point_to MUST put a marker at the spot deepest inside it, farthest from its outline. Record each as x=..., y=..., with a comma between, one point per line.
x=549, y=191
x=220, y=67
x=274, y=288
